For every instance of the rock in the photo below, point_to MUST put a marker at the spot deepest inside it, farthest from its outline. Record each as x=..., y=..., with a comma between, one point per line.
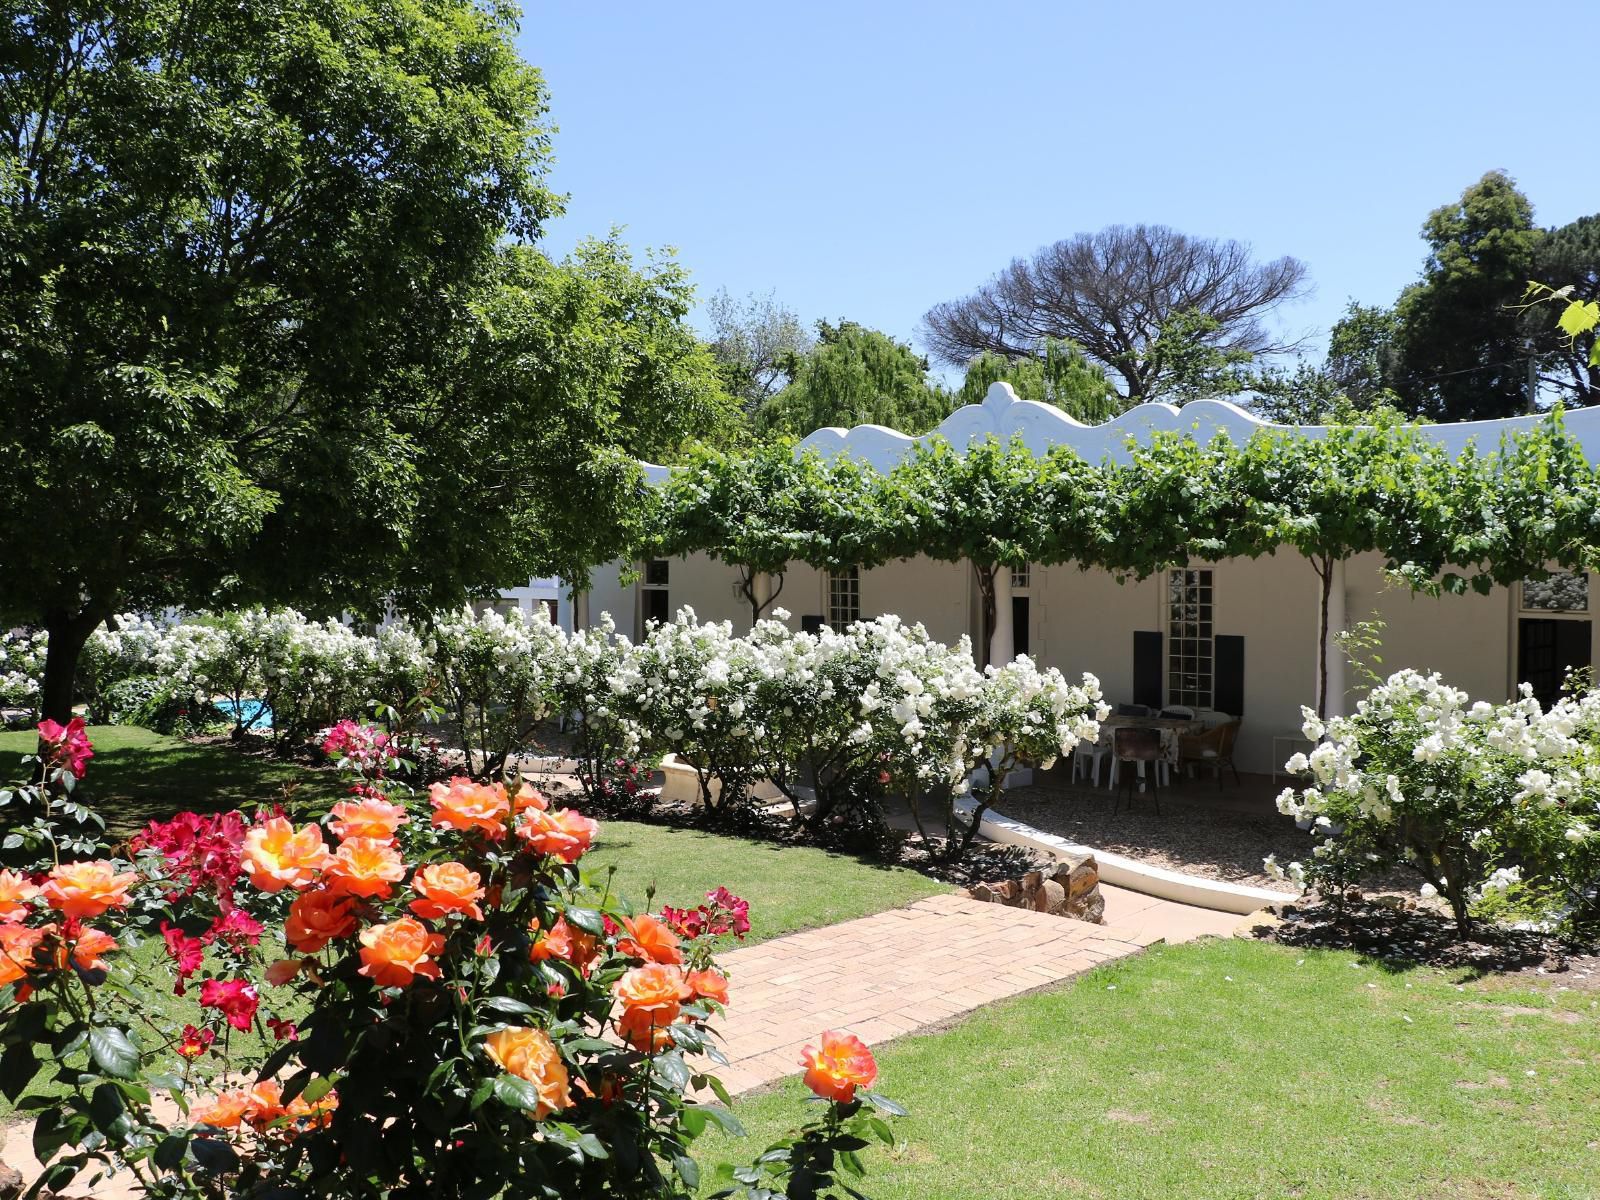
x=10, y=1183
x=1070, y=889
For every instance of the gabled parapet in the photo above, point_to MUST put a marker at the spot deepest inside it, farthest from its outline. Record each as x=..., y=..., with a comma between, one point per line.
x=1041, y=426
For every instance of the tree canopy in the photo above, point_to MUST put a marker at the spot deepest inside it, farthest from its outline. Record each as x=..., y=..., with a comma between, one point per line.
x=757, y=342
x=1139, y=300
x=1460, y=343
x=1060, y=376
x=854, y=376
x=263, y=297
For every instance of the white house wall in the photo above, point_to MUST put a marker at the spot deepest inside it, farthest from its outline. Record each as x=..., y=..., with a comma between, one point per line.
x=1466, y=638
x=1085, y=621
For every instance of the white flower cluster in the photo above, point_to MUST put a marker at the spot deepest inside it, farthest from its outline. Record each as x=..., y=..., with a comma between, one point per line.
x=1474, y=796
x=880, y=706
x=21, y=669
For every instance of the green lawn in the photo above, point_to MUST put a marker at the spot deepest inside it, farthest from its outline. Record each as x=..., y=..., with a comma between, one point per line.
x=136, y=776
x=789, y=887
x=1238, y=1069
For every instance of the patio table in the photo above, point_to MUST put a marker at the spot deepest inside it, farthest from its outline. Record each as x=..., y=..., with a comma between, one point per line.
x=1171, y=729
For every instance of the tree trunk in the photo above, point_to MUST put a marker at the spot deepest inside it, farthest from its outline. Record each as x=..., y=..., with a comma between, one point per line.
x=1324, y=569
x=758, y=602
x=69, y=633
x=985, y=573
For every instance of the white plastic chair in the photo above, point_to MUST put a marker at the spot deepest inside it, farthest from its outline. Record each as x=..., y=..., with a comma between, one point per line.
x=1090, y=753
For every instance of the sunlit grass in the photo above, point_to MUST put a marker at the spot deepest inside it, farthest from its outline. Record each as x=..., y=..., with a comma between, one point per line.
x=1238, y=1069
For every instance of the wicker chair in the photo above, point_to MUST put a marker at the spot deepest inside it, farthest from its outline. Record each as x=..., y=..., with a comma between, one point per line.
x=1130, y=746
x=1213, y=748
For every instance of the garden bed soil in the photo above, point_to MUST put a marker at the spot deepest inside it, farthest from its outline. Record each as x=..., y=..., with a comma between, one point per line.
x=1189, y=836
x=1400, y=932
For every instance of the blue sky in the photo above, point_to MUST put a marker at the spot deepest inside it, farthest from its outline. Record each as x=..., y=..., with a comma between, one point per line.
x=868, y=160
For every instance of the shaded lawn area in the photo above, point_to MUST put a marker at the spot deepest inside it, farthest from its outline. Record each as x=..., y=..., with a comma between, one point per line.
x=137, y=776
x=1239, y=1069
x=788, y=887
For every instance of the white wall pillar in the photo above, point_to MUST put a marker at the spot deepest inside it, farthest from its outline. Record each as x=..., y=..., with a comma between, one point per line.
x=761, y=585
x=1336, y=625
x=1002, y=643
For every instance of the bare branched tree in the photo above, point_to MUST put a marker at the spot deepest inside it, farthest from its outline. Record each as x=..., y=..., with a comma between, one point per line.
x=1115, y=293
x=756, y=342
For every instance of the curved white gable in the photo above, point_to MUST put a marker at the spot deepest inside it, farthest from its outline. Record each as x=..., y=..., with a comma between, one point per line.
x=1041, y=426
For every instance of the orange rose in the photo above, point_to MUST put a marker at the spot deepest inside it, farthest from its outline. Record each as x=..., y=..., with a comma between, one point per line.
x=708, y=985
x=564, y=833
x=224, y=1112
x=529, y=797
x=87, y=889
x=564, y=942
x=447, y=887
x=86, y=951
x=365, y=867
x=276, y=856
x=655, y=988
x=282, y=971
x=15, y=896
x=465, y=805
x=393, y=955
x=17, y=946
x=649, y=939
x=371, y=818
x=317, y=918
x=314, y=1112
x=530, y=1054
x=647, y=1032
x=264, y=1104
x=842, y=1064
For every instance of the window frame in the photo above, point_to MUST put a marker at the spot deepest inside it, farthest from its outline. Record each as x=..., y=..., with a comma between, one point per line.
x=1190, y=677
x=843, y=593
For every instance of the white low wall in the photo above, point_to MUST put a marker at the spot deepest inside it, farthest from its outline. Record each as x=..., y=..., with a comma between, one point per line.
x=1129, y=873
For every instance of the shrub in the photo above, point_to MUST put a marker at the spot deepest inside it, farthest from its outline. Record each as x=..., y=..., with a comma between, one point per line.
x=362, y=1020
x=1468, y=796
x=686, y=690
x=497, y=680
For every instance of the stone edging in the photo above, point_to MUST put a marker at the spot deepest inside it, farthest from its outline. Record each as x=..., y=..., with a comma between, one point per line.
x=1129, y=873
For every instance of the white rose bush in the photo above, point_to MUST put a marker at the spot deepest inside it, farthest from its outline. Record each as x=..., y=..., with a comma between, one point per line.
x=497, y=675
x=838, y=720
x=1471, y=797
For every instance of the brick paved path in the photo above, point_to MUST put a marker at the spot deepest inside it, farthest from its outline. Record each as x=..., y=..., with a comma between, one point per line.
x=882, y=976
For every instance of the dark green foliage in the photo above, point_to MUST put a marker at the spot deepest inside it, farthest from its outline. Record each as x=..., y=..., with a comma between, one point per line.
x=1060, y=376
x=1461, y=349
x=268, y=329
x=854, y=376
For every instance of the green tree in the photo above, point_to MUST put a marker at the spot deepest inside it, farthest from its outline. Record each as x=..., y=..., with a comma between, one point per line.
x=1361, y=355
x=979, y=505
x=1060, y=376
x=244, y=245
x=1569, y=262
x=1462, y=348
x=565, y=376
x=854, y=376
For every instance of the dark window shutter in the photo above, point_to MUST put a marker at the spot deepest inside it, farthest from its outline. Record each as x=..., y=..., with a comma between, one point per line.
x=1227, y=694
x=811, y=623
x=1147, y=668
x=1572, y=646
